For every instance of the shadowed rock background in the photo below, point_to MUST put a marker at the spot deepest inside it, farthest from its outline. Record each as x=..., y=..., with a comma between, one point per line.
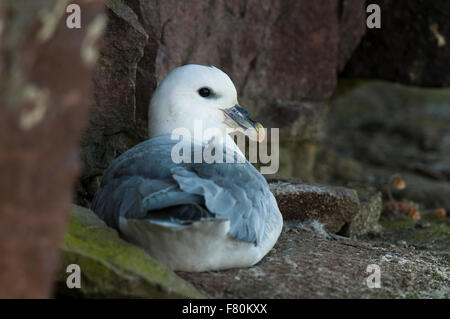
x=285, y=58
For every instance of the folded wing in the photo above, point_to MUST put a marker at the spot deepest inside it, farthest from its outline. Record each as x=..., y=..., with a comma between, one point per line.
x=144, y=183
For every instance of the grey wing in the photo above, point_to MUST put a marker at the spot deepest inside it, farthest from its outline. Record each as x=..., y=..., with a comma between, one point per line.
x=233, y=191
x=139, y=181
x=145, y=183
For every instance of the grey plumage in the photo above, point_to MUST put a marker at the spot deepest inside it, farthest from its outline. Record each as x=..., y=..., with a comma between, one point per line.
x=144, y=183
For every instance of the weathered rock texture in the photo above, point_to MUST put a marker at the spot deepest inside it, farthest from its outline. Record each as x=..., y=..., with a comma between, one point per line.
x=376, y=129
x=306, y=264
x=412, y=46
x=124, y=80
x=283, y=57
x=273, y=50
x=428, y=233
x=369, y=212
x=111, y=267
x=332, y=206
x=44, y=100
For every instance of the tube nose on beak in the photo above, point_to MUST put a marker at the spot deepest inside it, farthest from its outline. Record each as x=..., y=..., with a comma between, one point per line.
x=238, y=118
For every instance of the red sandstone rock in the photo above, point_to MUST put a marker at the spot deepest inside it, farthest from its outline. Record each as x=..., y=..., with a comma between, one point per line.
x=44, y=100
x=282, y=55
x=334, y=207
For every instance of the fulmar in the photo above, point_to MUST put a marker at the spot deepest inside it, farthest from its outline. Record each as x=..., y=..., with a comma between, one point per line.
x=190, y=212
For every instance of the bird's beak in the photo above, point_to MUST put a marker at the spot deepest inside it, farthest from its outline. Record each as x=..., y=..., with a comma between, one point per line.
x=238, y=118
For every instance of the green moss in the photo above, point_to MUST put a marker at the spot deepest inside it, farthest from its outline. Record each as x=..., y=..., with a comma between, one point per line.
x=346, y=85
x=112, y=267
x=397, y=224
x=436, y=235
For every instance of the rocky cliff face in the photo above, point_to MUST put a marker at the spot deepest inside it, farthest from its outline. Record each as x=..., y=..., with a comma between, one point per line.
x=392, y=129
x=283, y=56
x=44, y=99
x=412, y=46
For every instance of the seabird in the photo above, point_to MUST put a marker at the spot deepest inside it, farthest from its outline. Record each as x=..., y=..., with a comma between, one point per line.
x=194, y=215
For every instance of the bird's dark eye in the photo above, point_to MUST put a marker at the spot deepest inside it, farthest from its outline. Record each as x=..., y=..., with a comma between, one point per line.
x=204, y=92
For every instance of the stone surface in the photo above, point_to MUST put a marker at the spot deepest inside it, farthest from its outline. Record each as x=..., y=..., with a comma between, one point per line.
x=124, y=80
x=305, y=264
x=283, y=57
x=44, y=99
x=376, y=129
x=111, y=267
x=297, y=158
x=332, y=206
x=406, y=127
x=412, y=46
x=428, y=233
x=290, y=47
x=368, y=215
x=334, y=168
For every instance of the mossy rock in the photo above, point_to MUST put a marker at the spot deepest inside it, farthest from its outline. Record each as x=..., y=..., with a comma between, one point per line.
x=435, y=236
x=368, y=215
x=111, y=267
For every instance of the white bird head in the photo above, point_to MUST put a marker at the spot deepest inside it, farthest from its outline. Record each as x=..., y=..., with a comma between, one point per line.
x=193, y=94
